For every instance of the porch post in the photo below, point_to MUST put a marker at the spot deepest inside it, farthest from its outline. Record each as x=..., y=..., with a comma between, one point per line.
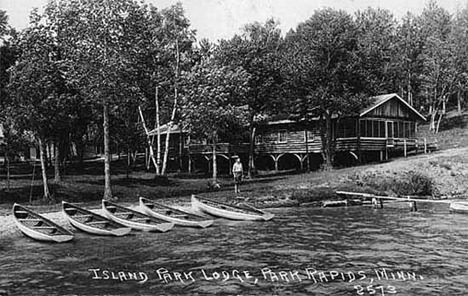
x=358, y=134
x=405, y=151
x=189, y=168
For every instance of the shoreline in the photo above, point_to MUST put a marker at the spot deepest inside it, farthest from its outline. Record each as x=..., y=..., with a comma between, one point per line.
x=9, y=229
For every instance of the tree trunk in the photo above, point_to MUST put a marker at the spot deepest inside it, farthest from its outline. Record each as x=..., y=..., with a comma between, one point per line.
x=253, y=129
x=42, y=152
x=189, y=157
x=150, y=144
x=80, y=147
x=134, y=158
x=7, y=158
x=129, y=161
x=410, y=97
x=326, y=135
x=170, y=124
x=181, y=148
x=215, y=166
x=158, y=135
x=459, y=107
x=49, y=155
x=57, y=177
x=306, y=138
x=166, y=148
x=438, y=123
x=107, y=156
x=433, y=113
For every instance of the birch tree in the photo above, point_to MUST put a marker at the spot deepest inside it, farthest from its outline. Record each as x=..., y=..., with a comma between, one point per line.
x=438, y=76
x=178, y=39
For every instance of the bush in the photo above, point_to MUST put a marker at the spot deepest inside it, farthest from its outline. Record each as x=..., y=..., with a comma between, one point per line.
x=313, y=194
x=415, y=183
x=401, y=183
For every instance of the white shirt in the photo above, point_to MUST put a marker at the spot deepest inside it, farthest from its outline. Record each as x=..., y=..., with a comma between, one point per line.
x=237, y=167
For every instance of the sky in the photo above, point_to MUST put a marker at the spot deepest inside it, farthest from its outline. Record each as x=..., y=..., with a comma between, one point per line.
x=221, y=19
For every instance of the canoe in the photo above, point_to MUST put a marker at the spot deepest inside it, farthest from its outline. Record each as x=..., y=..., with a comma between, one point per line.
x=134, y=219
x=232, y=212
x=38, y=227
x=93, y=223
x=459, y=207
x=178, y=217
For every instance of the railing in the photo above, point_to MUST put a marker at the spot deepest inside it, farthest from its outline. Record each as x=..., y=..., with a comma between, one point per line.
x=220, y=148
x=342, y=144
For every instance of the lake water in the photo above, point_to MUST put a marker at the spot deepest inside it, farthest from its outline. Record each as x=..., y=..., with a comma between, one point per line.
x=302, y=251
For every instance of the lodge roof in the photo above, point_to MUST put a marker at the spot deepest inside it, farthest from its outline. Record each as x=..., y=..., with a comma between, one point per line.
x=375, y=102
x=382, y=99
x=163, y=129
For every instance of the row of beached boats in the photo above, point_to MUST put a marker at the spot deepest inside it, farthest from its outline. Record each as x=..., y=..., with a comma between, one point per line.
x=120, y=220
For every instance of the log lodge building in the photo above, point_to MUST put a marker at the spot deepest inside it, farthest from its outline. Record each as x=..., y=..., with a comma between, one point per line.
x=386, y=128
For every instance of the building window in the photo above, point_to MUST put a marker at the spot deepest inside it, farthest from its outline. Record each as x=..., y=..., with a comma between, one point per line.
x=412, y=130
x=368, y=128
x=282, y=137
x=362, y=127
x=401, y=129
x=390, y=125
x=381, y=129
x=346, y=128
x=309, y=136
x=372, y=128
x=258, y=139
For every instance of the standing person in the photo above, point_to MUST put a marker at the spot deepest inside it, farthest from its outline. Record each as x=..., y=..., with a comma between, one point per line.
x=237, y=171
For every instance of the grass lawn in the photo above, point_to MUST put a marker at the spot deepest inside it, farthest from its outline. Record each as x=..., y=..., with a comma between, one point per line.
x=87, y=186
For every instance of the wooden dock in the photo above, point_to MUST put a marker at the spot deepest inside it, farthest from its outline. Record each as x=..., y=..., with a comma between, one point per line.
x=377, y=200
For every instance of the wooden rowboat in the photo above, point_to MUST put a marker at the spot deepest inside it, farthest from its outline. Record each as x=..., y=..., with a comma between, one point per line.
x=134, y=219
x=223, y=210
x=93, y=223
x=173, y=215
x=459, y=207
x=38, y=227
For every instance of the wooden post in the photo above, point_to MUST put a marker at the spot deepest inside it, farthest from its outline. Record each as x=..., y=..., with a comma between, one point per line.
x=405, y=151
x=381, y=155
x=358, y=134
x=188, y=153
x=306, y=137
x=181, y=147
x=377, y=202
x=425, y=145
x=413, y=207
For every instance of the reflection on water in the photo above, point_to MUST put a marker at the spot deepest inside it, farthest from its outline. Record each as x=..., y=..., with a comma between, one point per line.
x=354, y=251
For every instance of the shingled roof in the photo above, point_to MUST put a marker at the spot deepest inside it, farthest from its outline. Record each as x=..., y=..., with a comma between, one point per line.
x=382, y=99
